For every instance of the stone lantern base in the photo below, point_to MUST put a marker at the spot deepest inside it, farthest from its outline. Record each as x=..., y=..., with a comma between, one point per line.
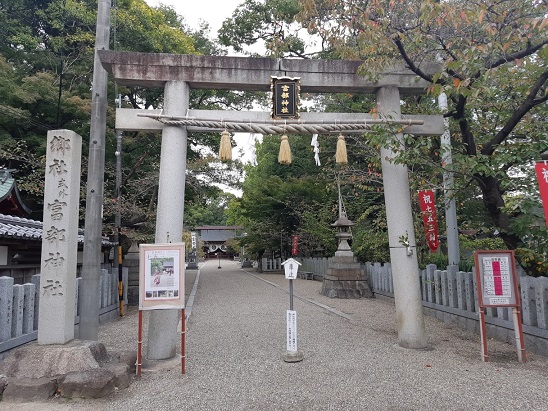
x=345, y=279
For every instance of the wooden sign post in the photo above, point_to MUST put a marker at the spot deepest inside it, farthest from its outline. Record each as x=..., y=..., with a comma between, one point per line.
x=498, y=287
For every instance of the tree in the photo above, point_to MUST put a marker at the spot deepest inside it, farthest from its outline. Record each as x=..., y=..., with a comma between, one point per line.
x=279, y=201
x=492, y=64
x=271, y=21
x=46, y=62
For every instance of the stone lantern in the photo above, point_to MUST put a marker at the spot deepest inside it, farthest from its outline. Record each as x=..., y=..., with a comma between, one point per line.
x=345, y=278
x=343, y=225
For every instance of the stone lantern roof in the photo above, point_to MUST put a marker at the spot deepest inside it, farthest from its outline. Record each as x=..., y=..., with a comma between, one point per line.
x=342, y=221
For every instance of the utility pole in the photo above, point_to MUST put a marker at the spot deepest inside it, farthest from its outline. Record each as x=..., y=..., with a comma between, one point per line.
x=91, y=267
x=118, y=216
x=453, y=251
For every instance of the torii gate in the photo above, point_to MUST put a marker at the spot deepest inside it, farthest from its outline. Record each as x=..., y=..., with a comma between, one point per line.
x=177, y=74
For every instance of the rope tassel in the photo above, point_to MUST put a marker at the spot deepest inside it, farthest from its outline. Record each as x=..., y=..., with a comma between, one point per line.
x=284, y=157
x=341, y=156
x=225, y=149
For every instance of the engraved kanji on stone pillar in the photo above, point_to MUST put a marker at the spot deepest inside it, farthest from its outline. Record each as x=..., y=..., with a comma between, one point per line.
x=59, y=238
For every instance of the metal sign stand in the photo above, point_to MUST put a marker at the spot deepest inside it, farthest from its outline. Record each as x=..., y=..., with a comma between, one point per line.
x=140, y=343
x=498, y=287
x=161, y=287
x=291, y=267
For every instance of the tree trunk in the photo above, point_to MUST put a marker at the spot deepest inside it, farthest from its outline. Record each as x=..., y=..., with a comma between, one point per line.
x=494, y=203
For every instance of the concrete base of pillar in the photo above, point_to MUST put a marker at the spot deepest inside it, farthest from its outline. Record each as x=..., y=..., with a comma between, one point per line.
x=293, y=356
x=345, y=279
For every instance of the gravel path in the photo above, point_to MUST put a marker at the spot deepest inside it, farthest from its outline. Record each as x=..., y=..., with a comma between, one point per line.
x=236, y=340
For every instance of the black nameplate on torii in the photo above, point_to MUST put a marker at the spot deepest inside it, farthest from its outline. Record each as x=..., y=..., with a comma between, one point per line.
x=285, y=97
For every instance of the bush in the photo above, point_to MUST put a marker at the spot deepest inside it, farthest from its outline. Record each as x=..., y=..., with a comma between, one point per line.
x=467, y=246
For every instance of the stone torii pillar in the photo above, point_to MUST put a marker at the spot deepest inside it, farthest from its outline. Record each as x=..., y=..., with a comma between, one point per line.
x=162, y=330
x=401, y=235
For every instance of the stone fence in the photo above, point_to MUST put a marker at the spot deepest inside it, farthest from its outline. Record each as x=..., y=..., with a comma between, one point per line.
x=19, y=306
x=451, y=296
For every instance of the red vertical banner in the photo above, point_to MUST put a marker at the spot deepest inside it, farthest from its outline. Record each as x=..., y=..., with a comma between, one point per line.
x=294, y=245
x=427, y=204
x=541, y=169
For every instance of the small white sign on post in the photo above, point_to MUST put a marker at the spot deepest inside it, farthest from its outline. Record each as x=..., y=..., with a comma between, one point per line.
x=291, y=267
x=291, y=331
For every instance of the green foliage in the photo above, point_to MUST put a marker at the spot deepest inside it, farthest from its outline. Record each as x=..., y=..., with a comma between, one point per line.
x=46, y=61
x=468, y=245
x=490, y=61
x=269, y=21
x=146, y=29
x=279, y=201
x=316, y=237
x=233, y=246
x=207, y=211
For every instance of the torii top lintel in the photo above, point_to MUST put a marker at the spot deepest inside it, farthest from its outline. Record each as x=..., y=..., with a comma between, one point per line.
x=252, y=74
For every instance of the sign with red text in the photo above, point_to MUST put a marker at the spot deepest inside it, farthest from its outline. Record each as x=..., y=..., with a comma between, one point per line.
x=496, y=278
x=497, y=283
x=541, y=169
x=294, y=245
x=428, y=208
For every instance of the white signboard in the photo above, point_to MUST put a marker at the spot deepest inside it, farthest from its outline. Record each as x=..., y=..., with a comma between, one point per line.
x=496, y=278
x=497, y=284
x=291, y=267
x=194, y=241
x=291, y=330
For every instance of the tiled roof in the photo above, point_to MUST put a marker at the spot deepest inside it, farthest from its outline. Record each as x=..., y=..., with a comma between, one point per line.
x=26, y=229
x=6, y=185
x=217, y=235
x=219, y=227
x=10, y=199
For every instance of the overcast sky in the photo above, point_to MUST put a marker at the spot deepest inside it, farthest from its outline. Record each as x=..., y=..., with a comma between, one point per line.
x=212, y=11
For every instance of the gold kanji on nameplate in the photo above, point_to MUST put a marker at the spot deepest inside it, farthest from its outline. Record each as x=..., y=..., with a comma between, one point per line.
x=285, y=97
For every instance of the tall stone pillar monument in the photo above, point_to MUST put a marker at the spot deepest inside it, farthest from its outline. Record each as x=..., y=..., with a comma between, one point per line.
x=162, y=331
x=60, y=238
x=401, y=234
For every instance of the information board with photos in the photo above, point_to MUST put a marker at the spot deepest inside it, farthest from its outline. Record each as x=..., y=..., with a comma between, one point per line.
x=161, y=276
